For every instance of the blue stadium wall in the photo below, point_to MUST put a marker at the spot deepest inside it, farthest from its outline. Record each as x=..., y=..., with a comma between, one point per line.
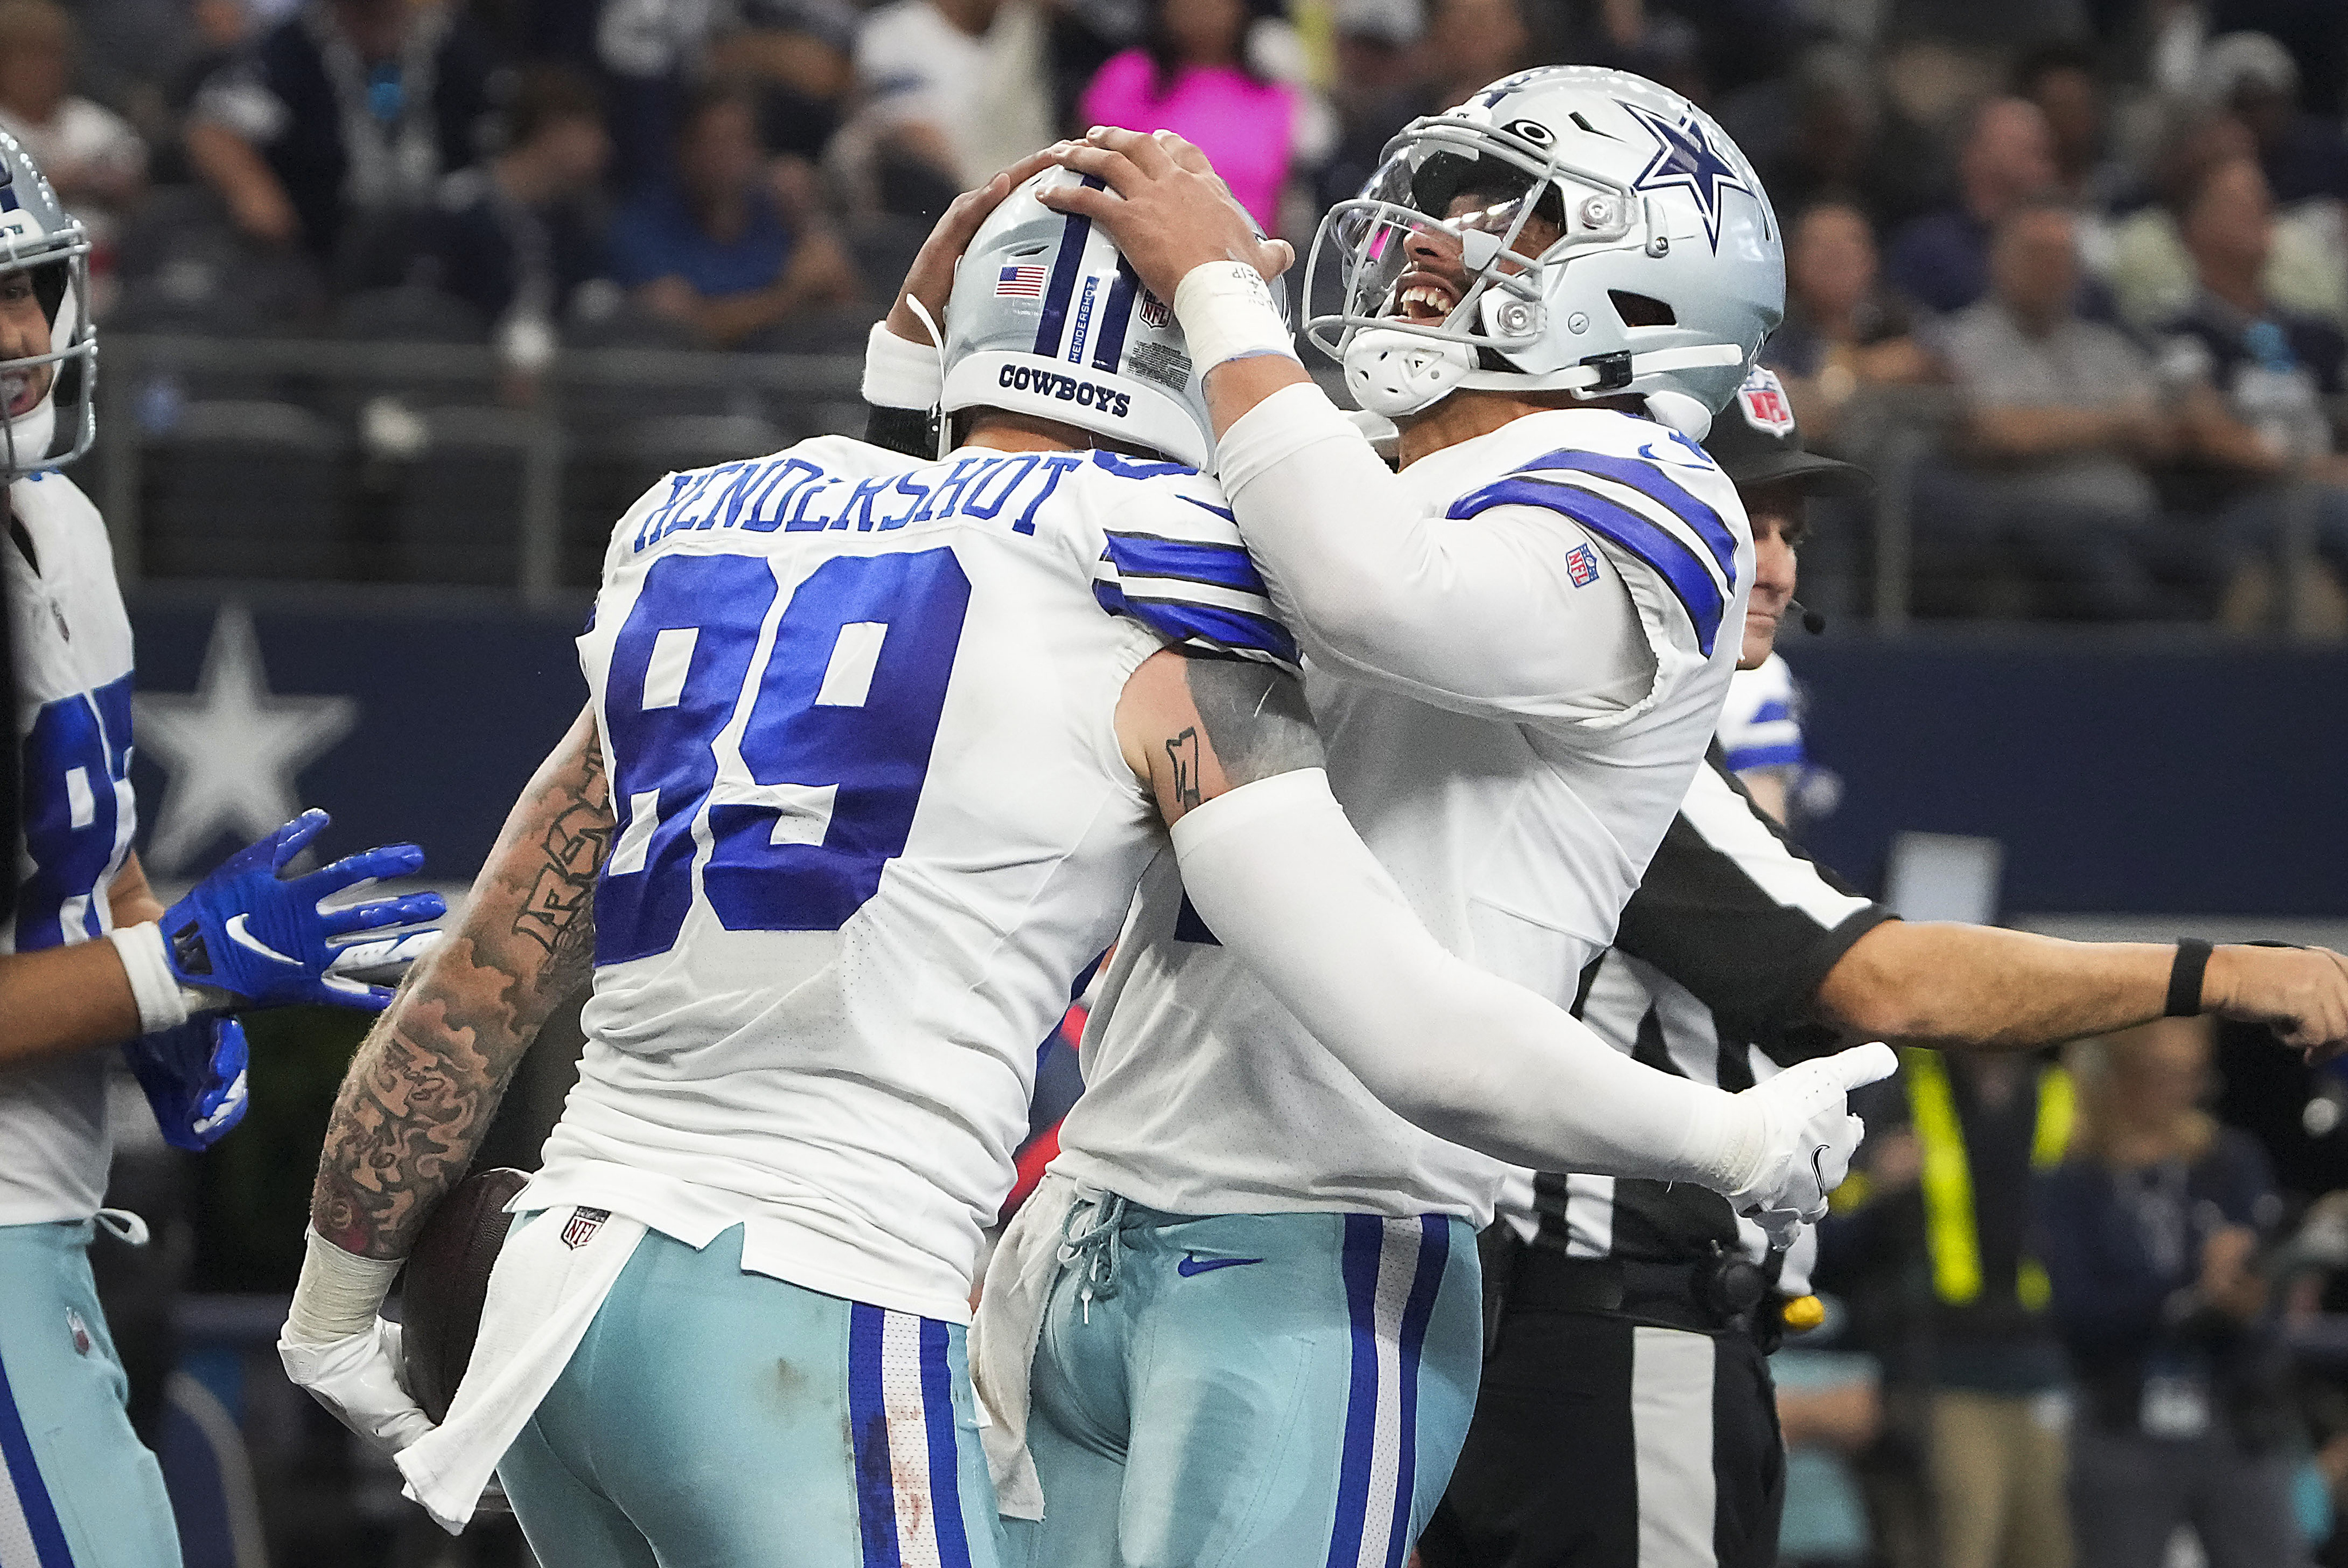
x=2124, y=774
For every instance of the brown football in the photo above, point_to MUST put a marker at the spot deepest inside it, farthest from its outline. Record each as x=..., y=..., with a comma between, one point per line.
x=447, y=1279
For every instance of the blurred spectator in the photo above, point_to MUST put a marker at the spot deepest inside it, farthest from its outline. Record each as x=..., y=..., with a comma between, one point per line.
x=1842, y=331
x=517, y=238
x=1830, y=1410
x=1982, y=1124
x=2060, y=414
x=90, y=154
x=2150, y=274
x=953, y=90
x=1192, y=77
x=2150, y=1233
x=2255, y=77
x=2260, y=371
x=1942, y=259
x=799, y=55
x=718, y=247
x=2061, y=78
x=348, y=107
x=1469, y=44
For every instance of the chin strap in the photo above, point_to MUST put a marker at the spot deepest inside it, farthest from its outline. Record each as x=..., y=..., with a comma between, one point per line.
x=1393, y=372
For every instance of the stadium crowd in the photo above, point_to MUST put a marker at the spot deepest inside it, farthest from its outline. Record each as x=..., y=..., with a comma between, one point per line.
x=2091, y=252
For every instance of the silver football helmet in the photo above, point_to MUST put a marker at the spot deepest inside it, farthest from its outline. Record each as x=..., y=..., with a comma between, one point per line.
x=1666, y=271
x=40, y=240
x=1046, y=318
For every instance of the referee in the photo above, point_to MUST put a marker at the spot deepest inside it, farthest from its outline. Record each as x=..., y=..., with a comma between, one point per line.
x=1626, y=1418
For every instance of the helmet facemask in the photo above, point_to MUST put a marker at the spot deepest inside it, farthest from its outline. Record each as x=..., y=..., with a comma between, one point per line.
x=1501, y=181
x=33, y=441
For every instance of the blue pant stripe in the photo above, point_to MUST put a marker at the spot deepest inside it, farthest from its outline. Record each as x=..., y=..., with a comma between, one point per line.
x=1434, y=1252
x=867, y=1429
x=946, y=1455
x=50, y=1549
x=1364, y=1241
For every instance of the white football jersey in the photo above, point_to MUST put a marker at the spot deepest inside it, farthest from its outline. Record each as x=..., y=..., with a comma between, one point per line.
x=1517, y=836
x=858, y=711
x=73, y=725
x=1760, y=722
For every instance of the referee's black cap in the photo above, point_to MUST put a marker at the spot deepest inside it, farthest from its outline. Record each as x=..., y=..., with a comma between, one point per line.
x=1755, y=442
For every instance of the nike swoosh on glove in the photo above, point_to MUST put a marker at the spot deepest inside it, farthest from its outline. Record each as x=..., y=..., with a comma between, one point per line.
x=1810, y=1135
x=265, y=942
x=356, y=1377
x=194, y=1077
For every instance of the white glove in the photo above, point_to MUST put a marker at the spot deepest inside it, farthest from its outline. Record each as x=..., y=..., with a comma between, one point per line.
x=357, y=1378
x=1810, y=1136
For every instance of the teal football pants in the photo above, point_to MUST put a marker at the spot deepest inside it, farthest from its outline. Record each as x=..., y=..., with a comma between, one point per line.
x=1249, y=1391
x=714, y=1419
x=77, y=1488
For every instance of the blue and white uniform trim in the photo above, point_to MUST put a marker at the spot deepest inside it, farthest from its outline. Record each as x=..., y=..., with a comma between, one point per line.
x=1394, y=1268
x=30, y=1534
x=1190, y=581
x=901, y=1420
x=1638, y=508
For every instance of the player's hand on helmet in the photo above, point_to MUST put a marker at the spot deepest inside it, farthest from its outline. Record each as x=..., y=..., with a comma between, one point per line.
x=1808, y=1137
x=931, y=278
x=248, y=937
x=194, y=1079
x=1165, y=206
x=2300, y=993
x=357, y=1378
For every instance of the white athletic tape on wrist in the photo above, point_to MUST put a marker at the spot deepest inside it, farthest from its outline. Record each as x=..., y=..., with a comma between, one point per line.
x=902, y=374
x=1227, y=313
x=161, y=1003
x=339, y=1293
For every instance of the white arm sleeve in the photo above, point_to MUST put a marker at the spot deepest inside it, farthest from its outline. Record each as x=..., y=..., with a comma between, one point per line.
x=1479, y=614
x=1277, y=872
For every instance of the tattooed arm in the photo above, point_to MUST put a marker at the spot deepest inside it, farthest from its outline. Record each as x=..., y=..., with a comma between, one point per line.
x=423, y=1088
x=1197, y=727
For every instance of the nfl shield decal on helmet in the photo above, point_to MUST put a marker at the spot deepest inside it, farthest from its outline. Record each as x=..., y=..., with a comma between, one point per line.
x=1155, y=314
x=581, y=1227
x=1762, y=398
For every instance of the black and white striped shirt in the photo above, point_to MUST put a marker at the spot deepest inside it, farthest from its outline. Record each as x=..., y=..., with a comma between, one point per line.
x=1714, y=963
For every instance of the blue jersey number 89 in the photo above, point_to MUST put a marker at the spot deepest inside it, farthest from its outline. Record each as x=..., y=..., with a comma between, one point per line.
x=835, y=747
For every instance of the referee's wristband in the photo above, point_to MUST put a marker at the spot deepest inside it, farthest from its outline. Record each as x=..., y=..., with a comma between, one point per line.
x=2185, y=978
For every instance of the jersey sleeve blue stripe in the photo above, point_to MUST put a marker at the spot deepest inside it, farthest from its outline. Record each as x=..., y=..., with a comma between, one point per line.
x=1698, y=594
x=1147, y=554
x=1213, y=626
x=1655, y=484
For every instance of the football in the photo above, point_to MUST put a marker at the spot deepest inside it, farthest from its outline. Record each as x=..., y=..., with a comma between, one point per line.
x=447, y=1279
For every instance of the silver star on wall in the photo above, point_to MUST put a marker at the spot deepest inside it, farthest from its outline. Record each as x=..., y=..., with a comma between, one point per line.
x=234, y=750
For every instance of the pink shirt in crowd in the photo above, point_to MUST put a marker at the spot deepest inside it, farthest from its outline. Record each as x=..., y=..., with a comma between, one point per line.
x=1245, y=126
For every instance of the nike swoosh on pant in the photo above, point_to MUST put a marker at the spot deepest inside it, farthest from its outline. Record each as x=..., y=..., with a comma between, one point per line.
x=1191, y=1265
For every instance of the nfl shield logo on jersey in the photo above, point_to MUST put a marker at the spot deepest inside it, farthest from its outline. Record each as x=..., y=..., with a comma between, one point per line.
x=581, y=1227
x=1581, y=566
x=1763, y=402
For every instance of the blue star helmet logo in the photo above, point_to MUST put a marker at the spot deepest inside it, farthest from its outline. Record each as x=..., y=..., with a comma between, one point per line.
x=1685, y=156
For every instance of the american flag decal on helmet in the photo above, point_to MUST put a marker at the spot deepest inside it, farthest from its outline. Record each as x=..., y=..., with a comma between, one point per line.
x=1021, y=283
x=581, y=1227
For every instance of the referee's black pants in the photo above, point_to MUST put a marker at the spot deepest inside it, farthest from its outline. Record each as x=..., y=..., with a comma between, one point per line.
x=1602, y=1442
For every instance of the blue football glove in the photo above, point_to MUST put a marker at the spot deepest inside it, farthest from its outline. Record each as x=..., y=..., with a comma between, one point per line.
x=194, y=1080
x=263, y=942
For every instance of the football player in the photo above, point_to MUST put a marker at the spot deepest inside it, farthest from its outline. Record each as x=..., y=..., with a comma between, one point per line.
x=877, y=749
x=92, y=960
x=1259, y=1343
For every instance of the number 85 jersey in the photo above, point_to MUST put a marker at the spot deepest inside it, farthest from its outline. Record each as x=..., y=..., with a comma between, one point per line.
x=871, y=821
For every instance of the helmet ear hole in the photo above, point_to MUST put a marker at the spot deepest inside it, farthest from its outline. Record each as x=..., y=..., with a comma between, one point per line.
x=1642, y=309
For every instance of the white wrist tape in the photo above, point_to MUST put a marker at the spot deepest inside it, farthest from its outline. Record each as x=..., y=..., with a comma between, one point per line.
x=161, y=1003
x=1227, y=313
x=902, y=374
x=339, y=1293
